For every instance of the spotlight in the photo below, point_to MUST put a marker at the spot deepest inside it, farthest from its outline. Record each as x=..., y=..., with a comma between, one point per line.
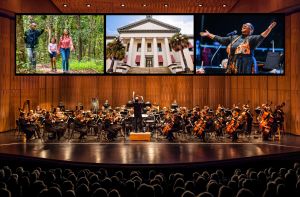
x=88, y=5
x=145, y=5
x=200, y=5
x=224, y=5
x=122, y=5
x=166, y=5
x=65, y=5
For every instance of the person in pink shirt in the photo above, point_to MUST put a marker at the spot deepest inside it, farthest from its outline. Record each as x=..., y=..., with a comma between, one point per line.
x=52, y=49
x=65, y=45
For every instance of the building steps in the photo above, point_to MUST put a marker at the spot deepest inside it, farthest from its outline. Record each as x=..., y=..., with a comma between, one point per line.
x=156, y=70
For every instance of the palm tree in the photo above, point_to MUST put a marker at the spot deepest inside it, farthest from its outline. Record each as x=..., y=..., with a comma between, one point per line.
x=115, y=51
x=179, y=42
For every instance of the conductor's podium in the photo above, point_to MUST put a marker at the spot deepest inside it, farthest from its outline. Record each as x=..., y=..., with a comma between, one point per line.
x=146, y=136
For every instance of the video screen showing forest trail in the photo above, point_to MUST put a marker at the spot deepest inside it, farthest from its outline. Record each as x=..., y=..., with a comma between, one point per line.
x=59, y=44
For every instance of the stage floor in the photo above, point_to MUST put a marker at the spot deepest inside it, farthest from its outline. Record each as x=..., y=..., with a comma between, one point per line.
x=146, y=153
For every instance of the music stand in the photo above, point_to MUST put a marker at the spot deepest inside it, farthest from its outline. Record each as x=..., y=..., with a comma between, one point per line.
x=272, y=61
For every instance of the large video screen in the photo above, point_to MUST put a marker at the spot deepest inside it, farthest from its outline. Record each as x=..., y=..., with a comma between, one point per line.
x=59, y=44
x=239, y=44
x=150, y=44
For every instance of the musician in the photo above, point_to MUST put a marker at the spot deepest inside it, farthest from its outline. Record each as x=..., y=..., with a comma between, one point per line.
x=50, y=126
x=279, y=116
x=38, y=110
x=138, y=105
x=249, y=119
x=207, y=122
x=25, y=126
x=233, y=123
x=176, y=126
x=240, y=48
x=80, y=125
x=58, y=113
x=92, y=122
x=106, y=105
x=33, y=119
x=95, y=105
x=174, y=105
x=108, y=127
x=60, y=125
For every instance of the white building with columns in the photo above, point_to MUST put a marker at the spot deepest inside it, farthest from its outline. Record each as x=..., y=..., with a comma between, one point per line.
x=147, y=45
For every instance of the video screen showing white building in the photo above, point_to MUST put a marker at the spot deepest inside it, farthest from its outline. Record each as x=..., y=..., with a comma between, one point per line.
x=150, y=44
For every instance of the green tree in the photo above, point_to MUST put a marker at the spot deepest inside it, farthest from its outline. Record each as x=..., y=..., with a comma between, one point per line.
x=21, y=56
x=179, y=42
x=115, y=51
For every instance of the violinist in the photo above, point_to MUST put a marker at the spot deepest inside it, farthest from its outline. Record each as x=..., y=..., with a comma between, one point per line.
x=108, y=127
x=32, y=119
x=50, y=126
x=60, y=120
x=26, y=127
x=92, y=122
x=59, y=114
x=80, y=125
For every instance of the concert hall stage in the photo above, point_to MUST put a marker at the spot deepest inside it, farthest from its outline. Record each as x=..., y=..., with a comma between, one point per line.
x=149, y=154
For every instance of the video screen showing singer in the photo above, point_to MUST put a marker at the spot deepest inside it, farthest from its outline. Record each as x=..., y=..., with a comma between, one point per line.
x=237, y=52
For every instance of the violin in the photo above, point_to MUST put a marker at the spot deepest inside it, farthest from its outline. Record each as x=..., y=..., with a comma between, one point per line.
x=199, y=127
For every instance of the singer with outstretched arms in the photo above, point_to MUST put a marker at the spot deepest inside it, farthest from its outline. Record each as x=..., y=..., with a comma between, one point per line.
x=240, y=48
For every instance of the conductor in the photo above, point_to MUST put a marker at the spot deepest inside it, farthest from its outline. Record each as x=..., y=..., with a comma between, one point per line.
x=138, y=104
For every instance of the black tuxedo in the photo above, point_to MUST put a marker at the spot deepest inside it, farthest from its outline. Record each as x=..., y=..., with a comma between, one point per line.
x=137, y=109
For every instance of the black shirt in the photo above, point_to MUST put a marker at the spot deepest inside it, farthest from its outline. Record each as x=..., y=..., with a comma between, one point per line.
x=137, y=108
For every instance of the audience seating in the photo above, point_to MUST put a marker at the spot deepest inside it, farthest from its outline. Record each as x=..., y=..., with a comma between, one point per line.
x=58, y=182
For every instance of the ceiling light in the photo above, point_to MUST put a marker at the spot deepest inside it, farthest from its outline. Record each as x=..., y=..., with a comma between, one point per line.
x=144, y=5
x=224, y=5
x=166, y=5
x=200, y=5
x=88, y=5
x=65, y=5
x=122, y=5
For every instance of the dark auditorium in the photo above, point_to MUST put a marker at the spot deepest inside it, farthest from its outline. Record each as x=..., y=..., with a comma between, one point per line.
x=149, y=98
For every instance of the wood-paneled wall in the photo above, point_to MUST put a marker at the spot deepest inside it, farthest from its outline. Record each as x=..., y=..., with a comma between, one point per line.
x=187, y=90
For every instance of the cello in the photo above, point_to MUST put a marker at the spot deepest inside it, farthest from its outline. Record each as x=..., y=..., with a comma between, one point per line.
x=233, y=124
x=199, y=127
x=267, y=119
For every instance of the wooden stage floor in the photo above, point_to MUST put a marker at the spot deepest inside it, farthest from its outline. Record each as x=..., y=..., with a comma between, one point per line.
x=146, y=153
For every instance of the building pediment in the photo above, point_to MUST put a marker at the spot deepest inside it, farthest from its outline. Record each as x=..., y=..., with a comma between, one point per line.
x=148, y=24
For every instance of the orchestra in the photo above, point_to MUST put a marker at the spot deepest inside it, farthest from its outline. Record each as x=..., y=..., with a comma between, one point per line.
x=140, y=116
